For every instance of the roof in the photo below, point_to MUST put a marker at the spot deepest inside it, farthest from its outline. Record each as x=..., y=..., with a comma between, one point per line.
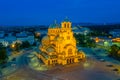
x=22, y=34
x=50, y=49
x=30, y=34
x=44, y=55
x=66, y=20
x=55, y=25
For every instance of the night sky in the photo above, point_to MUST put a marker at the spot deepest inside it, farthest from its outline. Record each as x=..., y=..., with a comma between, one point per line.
x=44, y=12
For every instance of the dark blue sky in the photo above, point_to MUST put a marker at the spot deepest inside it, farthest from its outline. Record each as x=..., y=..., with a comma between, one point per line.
x=34, y=12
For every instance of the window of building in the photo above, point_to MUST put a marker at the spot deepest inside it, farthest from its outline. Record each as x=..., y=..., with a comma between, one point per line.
x=69, y=51
x=68, y=37
x=68, y=26
x=64, y=25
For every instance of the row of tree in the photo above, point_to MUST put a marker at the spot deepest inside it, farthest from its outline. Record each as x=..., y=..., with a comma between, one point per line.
x=24, y=44
x=3, y=54
x=97, y=33
x=114, y=52
x=15, y=47
x=103, y=28
x=84, y=40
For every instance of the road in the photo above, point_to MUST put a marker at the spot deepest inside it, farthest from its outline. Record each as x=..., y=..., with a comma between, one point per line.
x=24, y=72
x=92, y=70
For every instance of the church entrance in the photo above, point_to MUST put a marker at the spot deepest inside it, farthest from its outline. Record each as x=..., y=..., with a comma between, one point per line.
x=70, y=60
x=48, y=62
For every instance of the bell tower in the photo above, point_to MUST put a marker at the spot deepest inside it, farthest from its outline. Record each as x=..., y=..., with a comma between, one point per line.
x=66, y=24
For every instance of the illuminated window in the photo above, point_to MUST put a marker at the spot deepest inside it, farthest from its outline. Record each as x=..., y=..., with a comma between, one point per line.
x=68, y=26
x=69, y=51
x=64, y=25
x=68, y=37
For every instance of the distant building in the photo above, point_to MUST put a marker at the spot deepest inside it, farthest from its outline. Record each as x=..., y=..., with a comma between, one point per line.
x=103, y=41
x=81, y=30
x=115, y=32
x=2, y=36
x=59, y=46
x=24, y=36
x=10, y=38
x=116, y=39
x=31, y=39
x=5, y=43
x=41, y=32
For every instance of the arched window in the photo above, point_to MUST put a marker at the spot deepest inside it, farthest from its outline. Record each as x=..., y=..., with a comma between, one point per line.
x=68, y=26
x=69, y=51
x=65, y=25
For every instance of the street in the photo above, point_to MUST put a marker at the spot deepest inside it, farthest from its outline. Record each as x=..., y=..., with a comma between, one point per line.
x=94, y=68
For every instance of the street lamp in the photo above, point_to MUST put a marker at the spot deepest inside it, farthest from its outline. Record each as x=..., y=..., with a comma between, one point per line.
x=13, y=45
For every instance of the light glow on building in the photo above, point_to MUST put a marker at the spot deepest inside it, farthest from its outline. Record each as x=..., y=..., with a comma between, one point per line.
x=59, y=46
x=116, y=40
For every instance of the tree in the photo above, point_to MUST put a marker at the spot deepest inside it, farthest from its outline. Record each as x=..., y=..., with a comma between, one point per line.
x=115, y=52
x=118, y=53
x=1, y=45
x=25, y=44
x=84, y=40
x=3, y=56
x=17, y=46
x=34, y=44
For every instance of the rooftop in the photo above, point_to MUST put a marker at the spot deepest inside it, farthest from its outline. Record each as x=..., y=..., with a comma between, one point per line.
x=22, y=34
x=2, y=35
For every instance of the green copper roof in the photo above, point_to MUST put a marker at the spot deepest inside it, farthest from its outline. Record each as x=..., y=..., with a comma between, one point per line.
x=66, y=20
x=55, y=25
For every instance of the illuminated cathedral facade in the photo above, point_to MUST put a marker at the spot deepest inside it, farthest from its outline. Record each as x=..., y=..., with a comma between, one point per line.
x=59, y=46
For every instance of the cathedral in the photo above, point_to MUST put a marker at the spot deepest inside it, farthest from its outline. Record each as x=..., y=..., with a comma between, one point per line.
x=59, y=46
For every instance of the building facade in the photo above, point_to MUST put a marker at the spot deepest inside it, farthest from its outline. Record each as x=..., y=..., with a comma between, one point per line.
x=115, y=33
x=24, y=36
x=59, y=46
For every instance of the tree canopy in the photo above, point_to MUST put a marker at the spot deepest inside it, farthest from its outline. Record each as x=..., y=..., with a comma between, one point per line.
x=114, y=52
x=3, y=55
x=84, y=40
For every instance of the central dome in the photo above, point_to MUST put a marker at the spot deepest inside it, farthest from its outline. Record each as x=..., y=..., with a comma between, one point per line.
x=55, y=25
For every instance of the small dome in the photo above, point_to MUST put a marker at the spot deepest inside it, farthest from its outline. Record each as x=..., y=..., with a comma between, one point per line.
x=45, y=40
x=55, y=25
x=50, y=49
